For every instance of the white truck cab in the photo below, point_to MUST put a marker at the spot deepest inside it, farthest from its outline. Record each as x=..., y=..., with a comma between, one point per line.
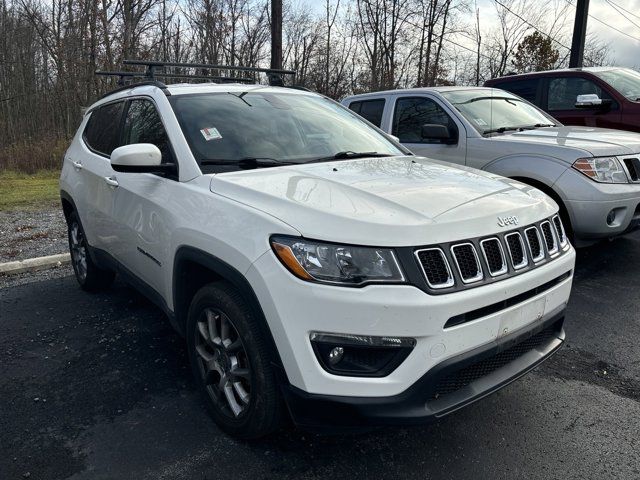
x=592, y=173
x=316, y=268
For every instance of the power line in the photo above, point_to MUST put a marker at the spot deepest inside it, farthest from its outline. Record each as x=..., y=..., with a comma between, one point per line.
x=622, y=14
x=607, y=25
x=532, y=25
x=622, y=8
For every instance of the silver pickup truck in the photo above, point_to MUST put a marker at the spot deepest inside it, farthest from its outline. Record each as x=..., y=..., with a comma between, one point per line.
x=592, y=173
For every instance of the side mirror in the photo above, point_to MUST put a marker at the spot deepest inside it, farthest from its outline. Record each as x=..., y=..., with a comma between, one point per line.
x=432, y=131
x=139, y=158
x=592, y=100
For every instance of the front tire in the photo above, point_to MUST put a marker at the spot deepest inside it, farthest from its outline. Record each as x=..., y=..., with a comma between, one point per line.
x=231, y=363
x=90, y=277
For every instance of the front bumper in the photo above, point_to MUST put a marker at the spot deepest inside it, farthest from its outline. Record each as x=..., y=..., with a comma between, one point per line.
x=589, y=203
x=445, y=388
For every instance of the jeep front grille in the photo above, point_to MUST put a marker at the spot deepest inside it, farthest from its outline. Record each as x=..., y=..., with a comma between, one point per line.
x=469, y=263
x=535, y=244
x=494, y=256
x=435, y=267
x=562, y=237
x=549, y=237
x=516, y=250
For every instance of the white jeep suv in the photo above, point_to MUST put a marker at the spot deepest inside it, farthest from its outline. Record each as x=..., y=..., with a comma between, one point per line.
x=316, y=268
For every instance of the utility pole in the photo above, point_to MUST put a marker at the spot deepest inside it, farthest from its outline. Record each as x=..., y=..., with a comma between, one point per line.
x=276, y=34
x=579, y=34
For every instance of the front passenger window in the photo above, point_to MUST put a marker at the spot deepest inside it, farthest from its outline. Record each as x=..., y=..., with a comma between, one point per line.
x=564, y=91
x=412, y=113
x=144, y=125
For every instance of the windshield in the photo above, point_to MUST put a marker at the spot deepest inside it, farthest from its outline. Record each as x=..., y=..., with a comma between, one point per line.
x=624, y=80
x=494, y=111
x=226, y=129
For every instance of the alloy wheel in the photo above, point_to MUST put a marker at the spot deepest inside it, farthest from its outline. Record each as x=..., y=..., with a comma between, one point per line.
x=223, y=363
x=78, y=251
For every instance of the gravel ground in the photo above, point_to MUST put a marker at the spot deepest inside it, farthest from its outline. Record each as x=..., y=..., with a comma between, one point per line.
x=29, y=234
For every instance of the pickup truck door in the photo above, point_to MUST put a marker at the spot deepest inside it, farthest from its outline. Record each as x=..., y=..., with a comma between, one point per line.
x=142, y=201
x=411, y=112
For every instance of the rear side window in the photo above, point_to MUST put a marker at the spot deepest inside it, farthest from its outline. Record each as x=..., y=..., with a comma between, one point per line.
x=369, y=109
x=101, y=132
x=412, y=113
x=564, y=91
x=144, y=125
x=527, y=89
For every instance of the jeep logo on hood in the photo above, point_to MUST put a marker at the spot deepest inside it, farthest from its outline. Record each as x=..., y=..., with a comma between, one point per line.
x=504, y=221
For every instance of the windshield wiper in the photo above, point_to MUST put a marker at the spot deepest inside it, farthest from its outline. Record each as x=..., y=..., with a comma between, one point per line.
x=247, y=162
x=537, y=125
x=501, y=130
x=347, y=155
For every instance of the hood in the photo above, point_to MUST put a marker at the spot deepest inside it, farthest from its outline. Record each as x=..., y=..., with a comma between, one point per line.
x=396, y=201
x=597, y=142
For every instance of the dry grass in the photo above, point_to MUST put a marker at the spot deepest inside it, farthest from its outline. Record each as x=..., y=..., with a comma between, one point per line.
x=21, y=191
x=33, y=155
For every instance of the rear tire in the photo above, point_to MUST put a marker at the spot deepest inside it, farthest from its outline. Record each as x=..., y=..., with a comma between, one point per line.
x=90, y=277
x=231, y=364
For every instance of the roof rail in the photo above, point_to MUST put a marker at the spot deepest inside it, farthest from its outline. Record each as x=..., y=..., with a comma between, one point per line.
x=122, y=87
x=275, y=75
x=216, y=79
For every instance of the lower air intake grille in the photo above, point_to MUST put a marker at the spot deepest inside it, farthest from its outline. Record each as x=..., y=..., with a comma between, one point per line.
x=468, y=263
x=435, y=267
x=463, y=377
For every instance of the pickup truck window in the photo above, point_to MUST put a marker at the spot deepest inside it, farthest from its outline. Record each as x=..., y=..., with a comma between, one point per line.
x=412, y=113
x=144, y=125
x=369, y=109
x=225, y=128
x=526, y=88
x=564, y=91
x=101, y=132
x=497, y=112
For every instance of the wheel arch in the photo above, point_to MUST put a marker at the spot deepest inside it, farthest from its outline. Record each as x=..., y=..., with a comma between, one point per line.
x=194, y=268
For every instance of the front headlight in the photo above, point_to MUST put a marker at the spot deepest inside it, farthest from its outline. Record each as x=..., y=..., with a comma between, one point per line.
x=337, y=264
x=602, y=169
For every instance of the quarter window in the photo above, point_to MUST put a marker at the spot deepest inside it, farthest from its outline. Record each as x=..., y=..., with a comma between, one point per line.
x=144, y=125
x=412, y=113
x=564, y=91
x=371, y=110
x=101, y=132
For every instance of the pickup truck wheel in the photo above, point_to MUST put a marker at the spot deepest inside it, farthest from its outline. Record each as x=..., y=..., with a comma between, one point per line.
x=90, y=277
x=230, y=362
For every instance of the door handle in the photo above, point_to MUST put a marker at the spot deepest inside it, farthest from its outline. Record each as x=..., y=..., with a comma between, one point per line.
x=111, y=181
x=77, y=165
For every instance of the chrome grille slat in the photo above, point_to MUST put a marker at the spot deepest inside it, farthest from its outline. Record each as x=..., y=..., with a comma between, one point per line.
x=467, y=261
x=534, y=241
x=435, y=267
x=517, y=252
x=549, y=237
x=494, y=253
x=560, y=233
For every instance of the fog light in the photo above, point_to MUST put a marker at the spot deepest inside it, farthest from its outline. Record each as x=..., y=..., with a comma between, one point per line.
x=335, y=355
x=611, y=217
x=360, y=355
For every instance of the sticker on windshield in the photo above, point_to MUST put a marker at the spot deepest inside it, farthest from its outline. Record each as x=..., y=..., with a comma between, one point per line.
x=210, y=133
x=480, y=121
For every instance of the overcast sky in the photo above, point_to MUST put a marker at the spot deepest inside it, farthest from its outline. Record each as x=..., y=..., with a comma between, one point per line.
x=625, y=51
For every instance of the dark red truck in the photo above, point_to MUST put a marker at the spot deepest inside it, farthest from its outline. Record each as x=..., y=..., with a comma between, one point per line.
x=607, y=97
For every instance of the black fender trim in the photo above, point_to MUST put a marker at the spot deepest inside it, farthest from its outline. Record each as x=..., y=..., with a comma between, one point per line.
x=226, y=273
